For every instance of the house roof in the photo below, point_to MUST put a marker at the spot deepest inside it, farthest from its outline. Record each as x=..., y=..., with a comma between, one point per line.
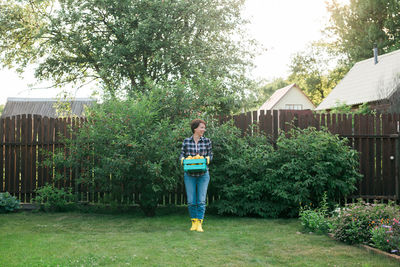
x=278, y=95
x=366, y=82
x=42, y=106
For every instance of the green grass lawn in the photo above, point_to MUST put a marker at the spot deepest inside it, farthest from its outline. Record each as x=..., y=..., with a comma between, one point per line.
x=79, y=239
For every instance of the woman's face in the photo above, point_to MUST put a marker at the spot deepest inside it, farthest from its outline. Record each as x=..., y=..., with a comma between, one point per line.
x=200, y=129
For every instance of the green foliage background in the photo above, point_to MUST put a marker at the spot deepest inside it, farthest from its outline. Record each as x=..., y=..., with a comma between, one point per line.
x=133, y=146
x=254, y=179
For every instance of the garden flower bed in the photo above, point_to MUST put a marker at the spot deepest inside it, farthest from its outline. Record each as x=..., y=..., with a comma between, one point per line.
x=373, y=226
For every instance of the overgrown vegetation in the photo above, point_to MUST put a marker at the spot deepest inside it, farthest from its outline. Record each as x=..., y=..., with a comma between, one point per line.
x=51, y=198
x=132, y=146
x=126, y=147
x=316, y=219
x=252, y=178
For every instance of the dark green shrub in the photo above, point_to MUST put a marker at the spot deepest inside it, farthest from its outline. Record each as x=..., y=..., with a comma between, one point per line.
x=239, y=171
x=126, y=147
x=253, y=179
x=309, y=162
x=8, y=203
x=353, y=223
x=53, y=199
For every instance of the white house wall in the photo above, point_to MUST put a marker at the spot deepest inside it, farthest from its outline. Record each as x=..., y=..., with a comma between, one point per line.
x=294, y=96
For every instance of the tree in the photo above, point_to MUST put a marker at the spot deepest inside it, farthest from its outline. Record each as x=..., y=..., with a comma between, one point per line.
x=358, y=25
x=314, y=71
x=123, y=44
x=267, y=88
x=1, y=109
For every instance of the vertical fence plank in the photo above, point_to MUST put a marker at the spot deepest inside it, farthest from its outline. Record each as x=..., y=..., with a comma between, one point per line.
x=52, y=128
x=13, y=159
x=290, y=121
x=46, y=146
x=31, y=161
x=2, y=189
x=73, y=172
x=333, y=123
x=396, y=153
x=303, y=121
x=236, y=121
x=58, y=172
x=7, y=178
x=35, y=153
x=17, y=146
x=328, y=119
x=84, y=187
x=364, y=154
x=386, y=155
x=255, y=120
x=269, y=127
x=372, y=153
x=243, y=123
x=282, y=121
x=317, y=121
x=357, y=144
x=248, y=123
x=393, y=177
x=378, y=183
x=24, y=163
x=66, y=128
x=261, y=121
x=41, y=139
x=275, y=125
x=323, y=120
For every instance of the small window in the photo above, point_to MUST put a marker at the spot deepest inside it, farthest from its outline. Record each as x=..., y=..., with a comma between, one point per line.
x=294, y=106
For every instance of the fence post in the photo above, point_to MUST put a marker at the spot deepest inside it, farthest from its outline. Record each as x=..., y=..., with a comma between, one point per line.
x=397, y=163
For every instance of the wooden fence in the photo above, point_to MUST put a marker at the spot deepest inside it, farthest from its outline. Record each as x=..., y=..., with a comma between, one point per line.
x=375, y=137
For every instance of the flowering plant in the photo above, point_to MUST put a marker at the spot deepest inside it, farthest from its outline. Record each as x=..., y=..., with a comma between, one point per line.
x=353, y=223
x=386, y=236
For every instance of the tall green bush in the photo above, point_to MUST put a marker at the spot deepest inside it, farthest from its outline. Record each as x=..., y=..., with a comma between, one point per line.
x=254, y=179
x=125, y=147
x=238, y=171
x=309, y=162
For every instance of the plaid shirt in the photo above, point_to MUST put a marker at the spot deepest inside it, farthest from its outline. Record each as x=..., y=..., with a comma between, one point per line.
x=203, y=148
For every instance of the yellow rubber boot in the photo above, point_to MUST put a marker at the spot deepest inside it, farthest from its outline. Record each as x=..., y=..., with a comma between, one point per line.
x=194, y=225
x=199, y=226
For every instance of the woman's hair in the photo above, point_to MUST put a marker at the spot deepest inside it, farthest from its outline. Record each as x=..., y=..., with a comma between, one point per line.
x=195, y=123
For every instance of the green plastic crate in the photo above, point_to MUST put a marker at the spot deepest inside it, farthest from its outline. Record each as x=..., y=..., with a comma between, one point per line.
x=195, y=168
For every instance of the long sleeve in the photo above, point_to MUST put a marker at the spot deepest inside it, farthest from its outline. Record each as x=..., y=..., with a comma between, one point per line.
x=209, y=151
x=182, y=155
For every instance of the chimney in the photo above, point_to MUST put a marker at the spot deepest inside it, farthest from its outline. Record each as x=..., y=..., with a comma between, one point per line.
x=375, y=54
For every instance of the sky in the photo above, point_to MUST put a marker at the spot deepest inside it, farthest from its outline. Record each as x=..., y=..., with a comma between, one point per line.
x=283, y=27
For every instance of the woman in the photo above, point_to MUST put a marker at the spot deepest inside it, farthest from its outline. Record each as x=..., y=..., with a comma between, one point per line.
x=196, y=183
